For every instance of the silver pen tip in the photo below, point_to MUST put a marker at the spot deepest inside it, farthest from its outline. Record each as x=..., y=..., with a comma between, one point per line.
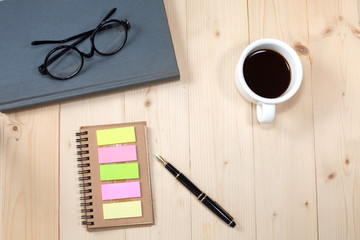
x=161, y=159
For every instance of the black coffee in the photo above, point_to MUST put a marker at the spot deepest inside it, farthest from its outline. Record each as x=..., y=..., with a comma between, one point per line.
x=267, y=73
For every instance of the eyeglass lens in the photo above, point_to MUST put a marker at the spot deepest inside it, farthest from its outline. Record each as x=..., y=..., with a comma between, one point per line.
x=68, y=62
x=110, y=38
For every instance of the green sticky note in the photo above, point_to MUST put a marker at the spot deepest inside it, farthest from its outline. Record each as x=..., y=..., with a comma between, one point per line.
x=122, y=210
x=119, y=171
x=115, y=136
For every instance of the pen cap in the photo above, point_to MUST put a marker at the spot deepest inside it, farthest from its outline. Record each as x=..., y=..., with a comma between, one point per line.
x=219, y=211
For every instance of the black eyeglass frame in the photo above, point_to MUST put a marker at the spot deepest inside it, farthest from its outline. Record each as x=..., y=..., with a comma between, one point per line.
x=49, y=59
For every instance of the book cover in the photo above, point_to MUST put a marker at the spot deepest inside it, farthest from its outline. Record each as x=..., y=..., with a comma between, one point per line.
x=147, y=57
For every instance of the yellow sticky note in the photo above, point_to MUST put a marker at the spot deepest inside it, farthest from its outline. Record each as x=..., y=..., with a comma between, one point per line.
x=115, y=136
x=122, y=210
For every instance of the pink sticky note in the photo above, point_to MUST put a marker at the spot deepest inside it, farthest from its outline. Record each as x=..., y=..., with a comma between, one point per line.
x=120, y=190
x=117, y=154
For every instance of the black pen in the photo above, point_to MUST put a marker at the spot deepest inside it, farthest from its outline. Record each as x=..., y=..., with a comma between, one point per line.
x=202, y=197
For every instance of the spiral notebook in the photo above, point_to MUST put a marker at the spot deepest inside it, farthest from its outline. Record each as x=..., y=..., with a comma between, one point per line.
x=115, y=176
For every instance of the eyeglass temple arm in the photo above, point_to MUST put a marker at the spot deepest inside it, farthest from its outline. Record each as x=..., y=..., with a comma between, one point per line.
x=112, y=11
x=87, y=33
x=41, y=42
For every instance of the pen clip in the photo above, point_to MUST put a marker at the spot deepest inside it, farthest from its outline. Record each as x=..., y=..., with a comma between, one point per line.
x=223, y=210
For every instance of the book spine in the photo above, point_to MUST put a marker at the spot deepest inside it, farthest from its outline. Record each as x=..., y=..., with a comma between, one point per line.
x=85, y=178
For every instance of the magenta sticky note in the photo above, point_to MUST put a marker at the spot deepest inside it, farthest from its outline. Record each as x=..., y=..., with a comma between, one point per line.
x=117, y=154
x=120, y=190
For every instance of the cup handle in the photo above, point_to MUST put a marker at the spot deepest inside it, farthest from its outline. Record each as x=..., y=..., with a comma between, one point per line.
x=265, y=112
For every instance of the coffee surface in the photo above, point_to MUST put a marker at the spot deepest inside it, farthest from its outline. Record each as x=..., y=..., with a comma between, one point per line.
x=267, y=73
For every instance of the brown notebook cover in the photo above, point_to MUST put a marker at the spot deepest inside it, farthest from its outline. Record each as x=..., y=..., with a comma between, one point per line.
x=92, y=202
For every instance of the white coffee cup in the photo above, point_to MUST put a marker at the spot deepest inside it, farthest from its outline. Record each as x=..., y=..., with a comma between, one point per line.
x=265, y=108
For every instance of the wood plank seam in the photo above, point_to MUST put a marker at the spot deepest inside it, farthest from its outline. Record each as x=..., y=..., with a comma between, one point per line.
x=252, y=130
x=188, y=113
x=313, y=125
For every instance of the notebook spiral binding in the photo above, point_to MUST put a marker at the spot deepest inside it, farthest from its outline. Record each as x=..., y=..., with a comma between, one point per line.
x=85, y=185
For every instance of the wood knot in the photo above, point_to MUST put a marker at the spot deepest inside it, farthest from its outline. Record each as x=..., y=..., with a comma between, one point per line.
x=347, y=161
x=355, y=31
x=331, y=176
x=329, y=30
x=16, y=130
x=217, y=33
x=341, y=18
x=306, y=204
x=275, y=214
x=147, y=103
x=301, y=49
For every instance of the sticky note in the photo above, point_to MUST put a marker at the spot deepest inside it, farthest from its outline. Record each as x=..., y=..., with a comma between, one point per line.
x=120, y=190
x=117, y=154
x=119, y=171
x=122, y=210
x=115, y=136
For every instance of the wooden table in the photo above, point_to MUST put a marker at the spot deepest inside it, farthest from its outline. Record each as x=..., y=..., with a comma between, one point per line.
x=297, y=178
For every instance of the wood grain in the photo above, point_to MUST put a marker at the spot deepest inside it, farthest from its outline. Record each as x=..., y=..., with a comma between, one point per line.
x=335, y=46
x=284, y=150
x=221, y=148
x=29, y=179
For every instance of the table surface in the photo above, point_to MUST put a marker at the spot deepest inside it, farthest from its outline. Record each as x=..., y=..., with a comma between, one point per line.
x=297, y=178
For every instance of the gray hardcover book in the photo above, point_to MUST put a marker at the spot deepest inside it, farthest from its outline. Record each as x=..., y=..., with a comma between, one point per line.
x=148, y=55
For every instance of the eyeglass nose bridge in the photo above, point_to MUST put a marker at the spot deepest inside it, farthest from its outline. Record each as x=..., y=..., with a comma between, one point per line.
x=90, y=54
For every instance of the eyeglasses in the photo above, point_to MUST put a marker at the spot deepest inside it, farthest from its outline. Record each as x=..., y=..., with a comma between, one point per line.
x=65, y=61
